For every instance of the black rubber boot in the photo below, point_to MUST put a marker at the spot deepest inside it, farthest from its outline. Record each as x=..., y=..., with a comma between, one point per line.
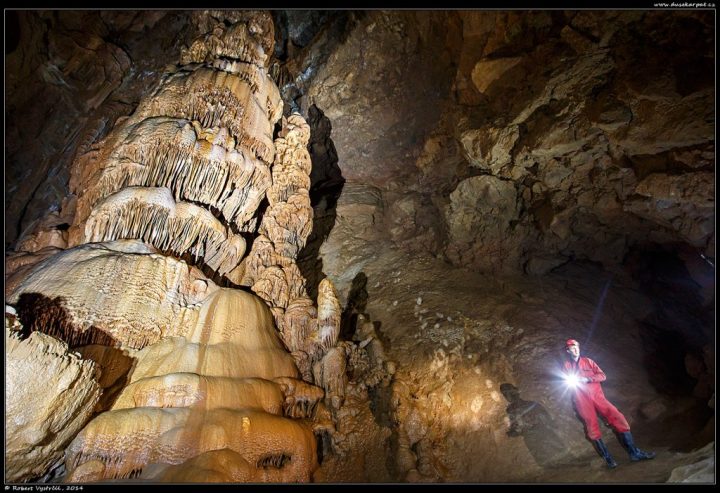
x=604, y=453
x=635, y=453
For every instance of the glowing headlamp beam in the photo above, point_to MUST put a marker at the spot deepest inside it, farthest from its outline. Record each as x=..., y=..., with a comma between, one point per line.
x=571, y=380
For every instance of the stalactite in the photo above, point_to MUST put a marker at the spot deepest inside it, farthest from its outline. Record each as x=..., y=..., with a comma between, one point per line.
x=301, y=398
x=230, y=181
x=219, y=99
x=152, y=215
x=273, y=460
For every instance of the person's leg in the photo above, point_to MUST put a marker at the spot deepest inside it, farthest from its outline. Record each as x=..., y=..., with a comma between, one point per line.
x=586, y=409
x=626, y=439
x=615, y=418
x=618, y=422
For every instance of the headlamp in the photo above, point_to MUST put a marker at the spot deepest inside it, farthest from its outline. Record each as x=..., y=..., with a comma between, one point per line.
x=571, y=380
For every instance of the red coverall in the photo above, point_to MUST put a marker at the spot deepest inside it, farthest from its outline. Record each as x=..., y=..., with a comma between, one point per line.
x=589, y=399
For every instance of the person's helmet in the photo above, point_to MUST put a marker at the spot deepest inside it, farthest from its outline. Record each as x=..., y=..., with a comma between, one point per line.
x=571, y=342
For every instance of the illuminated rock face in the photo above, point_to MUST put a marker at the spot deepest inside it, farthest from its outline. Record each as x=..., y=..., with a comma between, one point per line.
x=198, y=385
x=43, y=414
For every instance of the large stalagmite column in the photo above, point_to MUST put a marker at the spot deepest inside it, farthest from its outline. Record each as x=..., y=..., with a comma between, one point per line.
x=167, y=204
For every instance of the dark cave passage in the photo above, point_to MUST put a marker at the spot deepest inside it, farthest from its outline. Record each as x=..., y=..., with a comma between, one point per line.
x=678, y=341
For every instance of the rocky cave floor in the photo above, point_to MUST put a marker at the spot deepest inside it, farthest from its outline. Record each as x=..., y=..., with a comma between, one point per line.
x=456, y=336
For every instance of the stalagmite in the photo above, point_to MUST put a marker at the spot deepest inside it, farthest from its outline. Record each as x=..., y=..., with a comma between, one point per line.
x=270, y=267
x=244, y=103
x=215, y=466
x=329, y=312
x=212, y=387
x=205, y=133
x=330, y=374
x=19, y=264
x=191, y=389
x=299, y=321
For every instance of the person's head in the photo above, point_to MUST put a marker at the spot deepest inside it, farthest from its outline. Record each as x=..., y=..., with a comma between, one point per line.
x=573, y=348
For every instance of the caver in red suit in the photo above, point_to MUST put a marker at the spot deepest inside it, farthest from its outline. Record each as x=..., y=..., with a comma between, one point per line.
x=589, y=398
x=590, y=401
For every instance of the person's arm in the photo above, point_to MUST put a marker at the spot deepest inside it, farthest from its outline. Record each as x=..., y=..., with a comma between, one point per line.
x=598, y=375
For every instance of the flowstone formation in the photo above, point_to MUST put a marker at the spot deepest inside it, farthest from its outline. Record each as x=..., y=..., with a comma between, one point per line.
x=184, y=202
